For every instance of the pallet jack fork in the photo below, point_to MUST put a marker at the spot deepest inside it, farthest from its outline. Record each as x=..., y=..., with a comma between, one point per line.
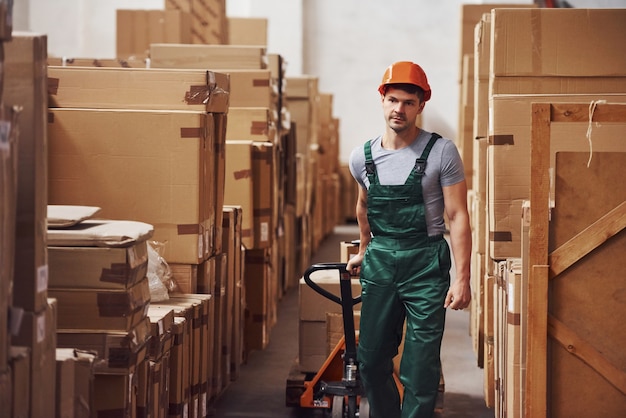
x=336, y=386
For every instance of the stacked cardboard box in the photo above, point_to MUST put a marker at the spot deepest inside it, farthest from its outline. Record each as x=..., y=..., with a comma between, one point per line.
x=546, y=68
x=98, y=275
x=24, y=172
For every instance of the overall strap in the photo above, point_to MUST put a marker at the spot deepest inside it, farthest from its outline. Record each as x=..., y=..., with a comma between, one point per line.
x=420, y=163
x=370, y=167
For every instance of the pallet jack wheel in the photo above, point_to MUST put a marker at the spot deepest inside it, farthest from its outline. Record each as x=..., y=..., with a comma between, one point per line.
x=346, y=407
x=337, y=408
x=364, y=408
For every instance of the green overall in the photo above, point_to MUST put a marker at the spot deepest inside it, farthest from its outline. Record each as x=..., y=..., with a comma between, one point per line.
x=404, y=274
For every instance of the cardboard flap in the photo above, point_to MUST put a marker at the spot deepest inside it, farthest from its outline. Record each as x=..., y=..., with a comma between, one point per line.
x=62, y=216
x=100, y=233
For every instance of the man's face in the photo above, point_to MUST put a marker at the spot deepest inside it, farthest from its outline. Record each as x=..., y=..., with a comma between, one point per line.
x=401, y=109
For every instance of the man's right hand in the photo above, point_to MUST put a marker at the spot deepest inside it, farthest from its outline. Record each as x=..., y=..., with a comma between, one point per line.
x=354, y=264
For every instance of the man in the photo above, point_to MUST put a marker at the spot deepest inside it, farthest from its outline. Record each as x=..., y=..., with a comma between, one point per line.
x=409, y=178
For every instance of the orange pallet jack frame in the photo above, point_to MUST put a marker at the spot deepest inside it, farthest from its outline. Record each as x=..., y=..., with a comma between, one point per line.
x=336, y=385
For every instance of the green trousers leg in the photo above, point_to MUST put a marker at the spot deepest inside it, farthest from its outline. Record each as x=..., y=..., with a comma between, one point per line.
x=399, y=288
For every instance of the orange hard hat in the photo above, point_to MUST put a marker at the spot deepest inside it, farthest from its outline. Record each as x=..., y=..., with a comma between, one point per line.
x=405, y=72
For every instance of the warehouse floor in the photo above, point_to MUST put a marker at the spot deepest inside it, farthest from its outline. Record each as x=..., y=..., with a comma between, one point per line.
x=259, y=391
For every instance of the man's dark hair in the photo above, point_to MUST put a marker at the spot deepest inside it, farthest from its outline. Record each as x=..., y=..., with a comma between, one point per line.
x=409, y=88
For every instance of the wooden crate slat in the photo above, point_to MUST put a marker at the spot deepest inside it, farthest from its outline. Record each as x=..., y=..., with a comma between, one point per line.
x=587, y=240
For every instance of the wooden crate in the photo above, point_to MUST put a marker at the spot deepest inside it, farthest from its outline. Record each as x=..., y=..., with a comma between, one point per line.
x=575, y=338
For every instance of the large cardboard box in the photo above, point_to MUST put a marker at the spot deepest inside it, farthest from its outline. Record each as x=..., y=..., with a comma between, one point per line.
x=215, y=57
x=508, y=159
x=470, y=16
x=138, y=88
x=38, y=333
x=158, y=156
x=25, y=85
x=572, y=51
x=137, y=29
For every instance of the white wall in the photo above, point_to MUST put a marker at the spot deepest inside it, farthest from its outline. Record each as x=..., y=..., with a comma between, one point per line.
x=346, y=43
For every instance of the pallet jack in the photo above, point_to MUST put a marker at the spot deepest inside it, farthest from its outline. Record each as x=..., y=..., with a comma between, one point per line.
x=336, y=387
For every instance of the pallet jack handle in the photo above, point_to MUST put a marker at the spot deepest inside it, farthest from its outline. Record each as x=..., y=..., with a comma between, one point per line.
x=347, y=303
x=343, y=275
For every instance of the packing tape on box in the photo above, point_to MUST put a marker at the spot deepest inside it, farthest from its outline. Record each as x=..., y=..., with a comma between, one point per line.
x=260, y=82
x=198, y=95
x=501, y=140
x=189, y=229
x=242, y=174
x=53, y=85
x=500, y=236
x=258, y=128
x=263, y=154
x=191, y=132
x=119, y=273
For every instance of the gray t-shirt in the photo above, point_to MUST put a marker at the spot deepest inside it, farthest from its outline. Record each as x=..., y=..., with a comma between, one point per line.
x=444, y=167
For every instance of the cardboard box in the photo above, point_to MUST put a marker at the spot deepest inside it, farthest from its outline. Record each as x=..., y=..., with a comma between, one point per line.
x=263, y=161
x=219, y=173
x=102, y=309
x=114, y=394
x=215, y=57
x=548, y=42
x=137, y=29
x=160, y=158
x=508, y=159
x=98, y=62
x=8, y=206
x=313, y=306
x=250, y=123
x=470, y=16
x=252, y=88
x=6, y=20
x=116, y=351
x=19, y=364
x=257, y=275
x=239, y=186
x=98, y=267
x=247, y=31
x=161, y=324
x=75, y=375
x=38, y=333
x=202, y=371
x=25, y=85
x=231, y=246
x=138, y=88
x=179, y=370
x=6, y=388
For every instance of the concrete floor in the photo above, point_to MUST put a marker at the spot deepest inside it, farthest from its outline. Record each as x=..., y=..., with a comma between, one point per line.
x=259, y=391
